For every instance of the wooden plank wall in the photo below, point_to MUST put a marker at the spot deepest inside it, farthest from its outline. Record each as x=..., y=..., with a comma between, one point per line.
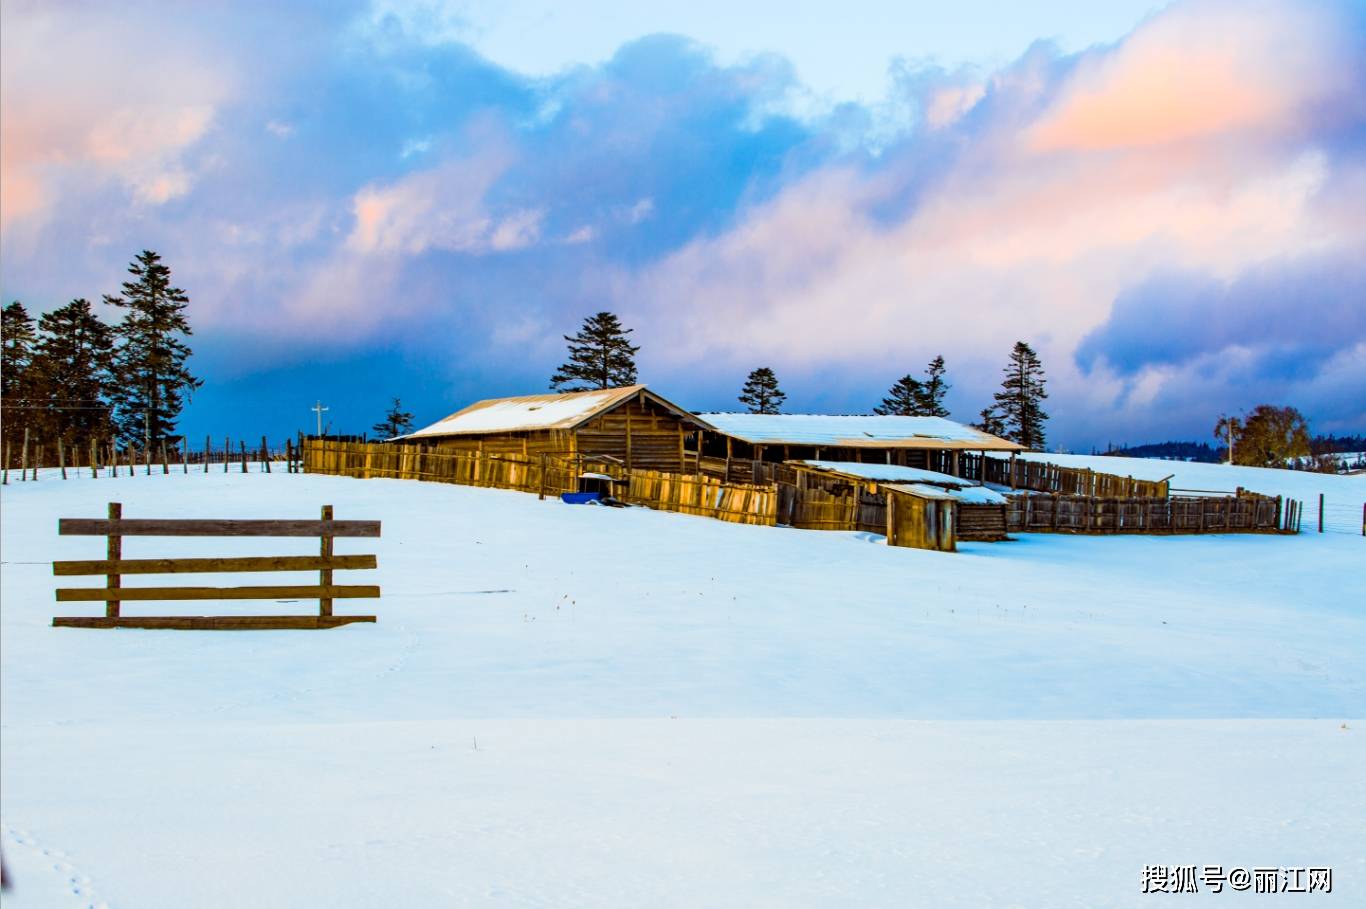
x=1246, y=513
x=919, y=523
x=688, y=493
x=702, y=495
x=983, y=523
x=639, y=433
x=365, y=460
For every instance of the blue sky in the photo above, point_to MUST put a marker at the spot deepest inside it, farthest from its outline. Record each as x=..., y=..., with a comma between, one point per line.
x=371, y=200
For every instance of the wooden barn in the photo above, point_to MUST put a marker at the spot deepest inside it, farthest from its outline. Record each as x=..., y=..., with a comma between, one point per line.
x=930, y=443
x=632, y=425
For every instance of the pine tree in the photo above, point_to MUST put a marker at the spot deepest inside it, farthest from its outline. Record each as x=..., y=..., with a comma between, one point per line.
x=990, y=422
x=761, y=393
x=930, y=403
x=903, y=399
x=600, y=356
x=1019, y=399
x=16, y=378
x=72, y=363
x=152, y=378
x=396, y=422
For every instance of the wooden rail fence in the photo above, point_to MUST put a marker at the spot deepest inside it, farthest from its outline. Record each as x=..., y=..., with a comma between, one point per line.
x=1243, y=512
x=114, y=566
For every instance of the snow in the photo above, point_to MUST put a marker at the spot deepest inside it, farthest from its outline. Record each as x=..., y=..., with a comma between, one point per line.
x=1344, y=495
x=853, y=431
x=889, y=472
x=549, y=411
x=917, y=481
x=615, y=707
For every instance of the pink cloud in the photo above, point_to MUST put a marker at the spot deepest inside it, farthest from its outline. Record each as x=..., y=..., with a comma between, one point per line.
x=91, y=98
x=1018, y=238
x=1200, y=69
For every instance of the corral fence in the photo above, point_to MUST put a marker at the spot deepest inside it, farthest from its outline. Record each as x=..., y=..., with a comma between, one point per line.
x=1244, y=511
x=821, y=503
x=1039, y=476
x=545, y=475
x=107, y=458
x=1036, y=476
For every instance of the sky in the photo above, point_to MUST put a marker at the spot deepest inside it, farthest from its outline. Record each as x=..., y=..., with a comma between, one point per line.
x=375, y=199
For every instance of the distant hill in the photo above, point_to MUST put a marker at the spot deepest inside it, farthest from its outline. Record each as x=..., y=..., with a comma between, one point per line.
x=1201, y=452
x=1204, y=453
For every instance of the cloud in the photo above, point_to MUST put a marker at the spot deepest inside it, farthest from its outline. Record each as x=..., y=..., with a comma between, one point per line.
x=1290, y=317
x=1144, y=212
x=92, y=98
x=1203, y=69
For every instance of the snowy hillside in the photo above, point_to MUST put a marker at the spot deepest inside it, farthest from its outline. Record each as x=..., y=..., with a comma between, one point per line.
x=584, y=706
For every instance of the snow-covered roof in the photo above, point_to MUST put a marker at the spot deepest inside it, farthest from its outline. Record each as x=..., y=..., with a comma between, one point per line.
x=967, y=495
x=538, y=412
x=915, y=480
x=855, y=431
x=890, y=473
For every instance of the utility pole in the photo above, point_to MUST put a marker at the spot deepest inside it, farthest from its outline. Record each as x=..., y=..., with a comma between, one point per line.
x=319, y=409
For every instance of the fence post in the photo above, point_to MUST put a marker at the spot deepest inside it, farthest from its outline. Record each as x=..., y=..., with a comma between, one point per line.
x=184, y=454
x=61, y=456
x=6, y=468
x=1320, y=512
x=325, y=550
x=265, y=454
x=243, y=446
x=165, y=462
x=23, y=461
x=227, y=452
x=114, y=552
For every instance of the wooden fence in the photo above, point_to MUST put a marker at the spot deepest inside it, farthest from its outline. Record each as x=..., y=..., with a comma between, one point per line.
x=545, y=475
x=701, y=495
x=103, y=457
x=114, y=566
x=1040, y=476
x=1244, y=512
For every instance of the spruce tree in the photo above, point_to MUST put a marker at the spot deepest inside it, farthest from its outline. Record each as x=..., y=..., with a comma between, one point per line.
x=72, y=363
x=1020, y=397
x=152, y=378
x=600, y=356
x=989, y=421
x=930, y=402
x=16, y=358
x=396, y=422
x=903, y=399
x=761, y=393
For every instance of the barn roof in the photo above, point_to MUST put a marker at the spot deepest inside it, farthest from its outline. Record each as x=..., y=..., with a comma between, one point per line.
x=542, y=412
x=855, y=431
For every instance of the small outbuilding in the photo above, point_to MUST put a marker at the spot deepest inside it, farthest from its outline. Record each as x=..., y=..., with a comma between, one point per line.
x=946, y=508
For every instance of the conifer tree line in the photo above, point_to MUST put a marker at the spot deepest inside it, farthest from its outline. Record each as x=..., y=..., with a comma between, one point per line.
x=75, y=378
x=602, y=356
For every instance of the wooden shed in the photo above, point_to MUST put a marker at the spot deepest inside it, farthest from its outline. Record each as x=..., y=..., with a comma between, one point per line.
x=974, y=512
x=632, y=425
x=931, y=443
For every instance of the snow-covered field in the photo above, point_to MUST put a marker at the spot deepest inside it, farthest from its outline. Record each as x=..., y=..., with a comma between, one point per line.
x=577, y=706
